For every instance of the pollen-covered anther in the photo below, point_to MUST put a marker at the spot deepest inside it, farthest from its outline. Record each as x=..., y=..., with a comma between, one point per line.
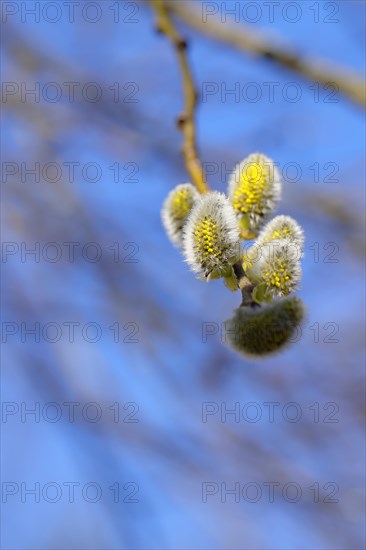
x=254, y=191
x=176, y=209
x=211, y=237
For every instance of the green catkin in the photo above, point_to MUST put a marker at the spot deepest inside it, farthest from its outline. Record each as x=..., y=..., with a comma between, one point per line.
x=265, y=330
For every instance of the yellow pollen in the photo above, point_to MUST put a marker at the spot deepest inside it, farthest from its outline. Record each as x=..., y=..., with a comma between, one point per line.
x=207, y=241
x=255, y=180
x=181, y=204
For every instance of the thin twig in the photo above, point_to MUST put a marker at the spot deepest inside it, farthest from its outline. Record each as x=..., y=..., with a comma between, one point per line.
x=245, y=286
x=349, y=84
x=186, y=121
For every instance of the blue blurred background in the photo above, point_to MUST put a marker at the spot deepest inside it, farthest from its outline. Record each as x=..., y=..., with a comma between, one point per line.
x=121, y=445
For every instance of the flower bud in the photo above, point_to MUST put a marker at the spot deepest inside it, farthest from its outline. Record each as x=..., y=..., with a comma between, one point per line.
x=176, y=208
x=211, y=242
x=254, y=191
x=264, y=330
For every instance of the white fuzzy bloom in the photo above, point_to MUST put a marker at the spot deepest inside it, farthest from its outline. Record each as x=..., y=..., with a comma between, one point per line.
x=211, y=243
x=282, y=227
x=254, y=190
x=176, y=209
x=276, y=264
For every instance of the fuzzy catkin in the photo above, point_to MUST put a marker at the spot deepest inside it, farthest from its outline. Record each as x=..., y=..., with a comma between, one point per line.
x=276, y=265
x=264, y=330
x=176, y=209
x=211, y=243
x=282, y=227
x=254, y=190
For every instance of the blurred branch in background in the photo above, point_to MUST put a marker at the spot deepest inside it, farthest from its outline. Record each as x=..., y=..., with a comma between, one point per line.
x=132, y=125
x=349, y=84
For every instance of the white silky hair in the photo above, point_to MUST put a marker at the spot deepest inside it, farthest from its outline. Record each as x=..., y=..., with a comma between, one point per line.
x=277, y=224
x=173, y=227
x=215, y=206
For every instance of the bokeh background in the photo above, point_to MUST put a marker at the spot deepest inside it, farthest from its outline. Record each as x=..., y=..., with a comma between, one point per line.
x=138, y=396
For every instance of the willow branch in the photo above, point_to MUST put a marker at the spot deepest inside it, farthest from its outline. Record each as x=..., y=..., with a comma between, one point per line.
x=245, y=286
x=186, y=121
x=349, y=84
